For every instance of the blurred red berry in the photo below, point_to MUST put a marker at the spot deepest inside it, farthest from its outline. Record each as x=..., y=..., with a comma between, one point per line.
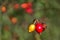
x=14, y=20
x=24, y=5
x=3, y=9
x=39, y=28
x=16, y=6
x=29, y=10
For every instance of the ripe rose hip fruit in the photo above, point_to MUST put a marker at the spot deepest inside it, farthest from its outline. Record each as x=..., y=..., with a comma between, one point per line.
x=24, y=5
x=3, y=9
x=14, y=20
x=39, y=28
x=29, y=10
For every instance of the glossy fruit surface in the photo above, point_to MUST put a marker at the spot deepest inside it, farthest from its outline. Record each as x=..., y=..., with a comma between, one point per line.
x=39, y=28
x=31, y=28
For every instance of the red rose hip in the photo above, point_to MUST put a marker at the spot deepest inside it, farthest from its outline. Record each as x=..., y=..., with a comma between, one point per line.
x=39, y=28
x=29, y=10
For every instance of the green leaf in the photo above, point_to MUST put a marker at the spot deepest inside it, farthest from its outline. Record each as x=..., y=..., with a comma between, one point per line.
x=6, y=35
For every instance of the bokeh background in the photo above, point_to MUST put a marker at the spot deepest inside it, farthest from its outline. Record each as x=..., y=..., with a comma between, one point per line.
x=49, y=10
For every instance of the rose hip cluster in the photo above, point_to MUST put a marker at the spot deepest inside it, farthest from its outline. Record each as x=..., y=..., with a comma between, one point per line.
x=37, y=26
x=26, y=6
